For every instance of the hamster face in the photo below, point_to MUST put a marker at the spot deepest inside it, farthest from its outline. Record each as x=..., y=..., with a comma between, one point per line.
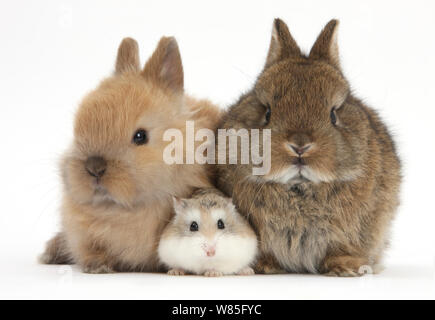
x=204, y=232
x=200, y=239
x=305, y=102
x=116, y=155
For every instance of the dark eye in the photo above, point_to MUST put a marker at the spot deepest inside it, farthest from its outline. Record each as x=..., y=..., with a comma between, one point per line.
x=333, y=116
x=220, y=224
x=194, y=226
x=140, y=137
x=268, y=113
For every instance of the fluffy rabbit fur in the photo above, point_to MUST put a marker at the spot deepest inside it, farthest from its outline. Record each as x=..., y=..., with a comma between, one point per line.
x=118, y=193
x=327, y=203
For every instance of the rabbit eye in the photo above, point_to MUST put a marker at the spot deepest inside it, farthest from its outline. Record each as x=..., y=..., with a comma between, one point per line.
x=140, y=137
x=333, y=116
x=267, y=115
x=220, y=224
x=194, y=226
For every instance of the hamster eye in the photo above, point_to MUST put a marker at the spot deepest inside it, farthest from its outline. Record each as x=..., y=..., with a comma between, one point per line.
x=140, y=137
x=333, y=116
x=267, y=115
x=220, y=224
x=194, y=226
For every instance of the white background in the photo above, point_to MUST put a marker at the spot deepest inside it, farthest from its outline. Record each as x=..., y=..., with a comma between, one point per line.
x=53, y=52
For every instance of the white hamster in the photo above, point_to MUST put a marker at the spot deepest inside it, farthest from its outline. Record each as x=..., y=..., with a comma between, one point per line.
x=207, y=236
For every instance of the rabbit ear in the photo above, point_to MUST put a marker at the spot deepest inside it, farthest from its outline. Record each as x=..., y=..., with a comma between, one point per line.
x=326, y=46
x=282, y=45
x=128, y=57
x=164, y=66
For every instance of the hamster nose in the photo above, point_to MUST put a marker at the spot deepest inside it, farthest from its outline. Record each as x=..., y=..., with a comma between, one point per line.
x=96, y=166
x=300, y=150
x=210, y=251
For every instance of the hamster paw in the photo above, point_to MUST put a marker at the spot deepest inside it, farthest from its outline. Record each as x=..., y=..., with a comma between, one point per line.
x=94, y=269
x=248, y=271
x=213, y=273
x=176, y=272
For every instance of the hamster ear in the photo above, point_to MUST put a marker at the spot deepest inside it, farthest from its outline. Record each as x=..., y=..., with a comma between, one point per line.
x=179, y=204
x=164, y=66
x=282, y=45
x=326, y=46
x=230, y=204
x=128, y=57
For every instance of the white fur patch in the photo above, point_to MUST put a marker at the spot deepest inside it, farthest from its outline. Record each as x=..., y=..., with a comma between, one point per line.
x=193, y=215
x=233, y=253
x=284, y=176
x=314, y=175
x=218, y=214
x=292, y=174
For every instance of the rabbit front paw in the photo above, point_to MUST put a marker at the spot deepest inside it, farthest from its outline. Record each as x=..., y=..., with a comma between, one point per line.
x=98, y=269
x=344, y=266
x=267, y=264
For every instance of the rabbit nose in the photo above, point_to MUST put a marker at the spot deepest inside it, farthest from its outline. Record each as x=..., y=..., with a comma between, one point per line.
x=300, y=150
x=96, y=166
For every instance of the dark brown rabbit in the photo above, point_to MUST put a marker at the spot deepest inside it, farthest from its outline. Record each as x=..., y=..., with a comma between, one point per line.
x=327, y=203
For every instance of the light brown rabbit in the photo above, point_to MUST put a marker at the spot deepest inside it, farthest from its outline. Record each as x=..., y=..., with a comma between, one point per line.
x=327, y=204
x=117, y=188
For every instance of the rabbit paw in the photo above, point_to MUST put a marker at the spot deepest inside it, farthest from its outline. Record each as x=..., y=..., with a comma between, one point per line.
x=342, y=272
x=94, y=269
x=345, y=266
x=176, y=272
x=213, y=273
x=267, y=264
x=248, y=271
x=56, y=251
